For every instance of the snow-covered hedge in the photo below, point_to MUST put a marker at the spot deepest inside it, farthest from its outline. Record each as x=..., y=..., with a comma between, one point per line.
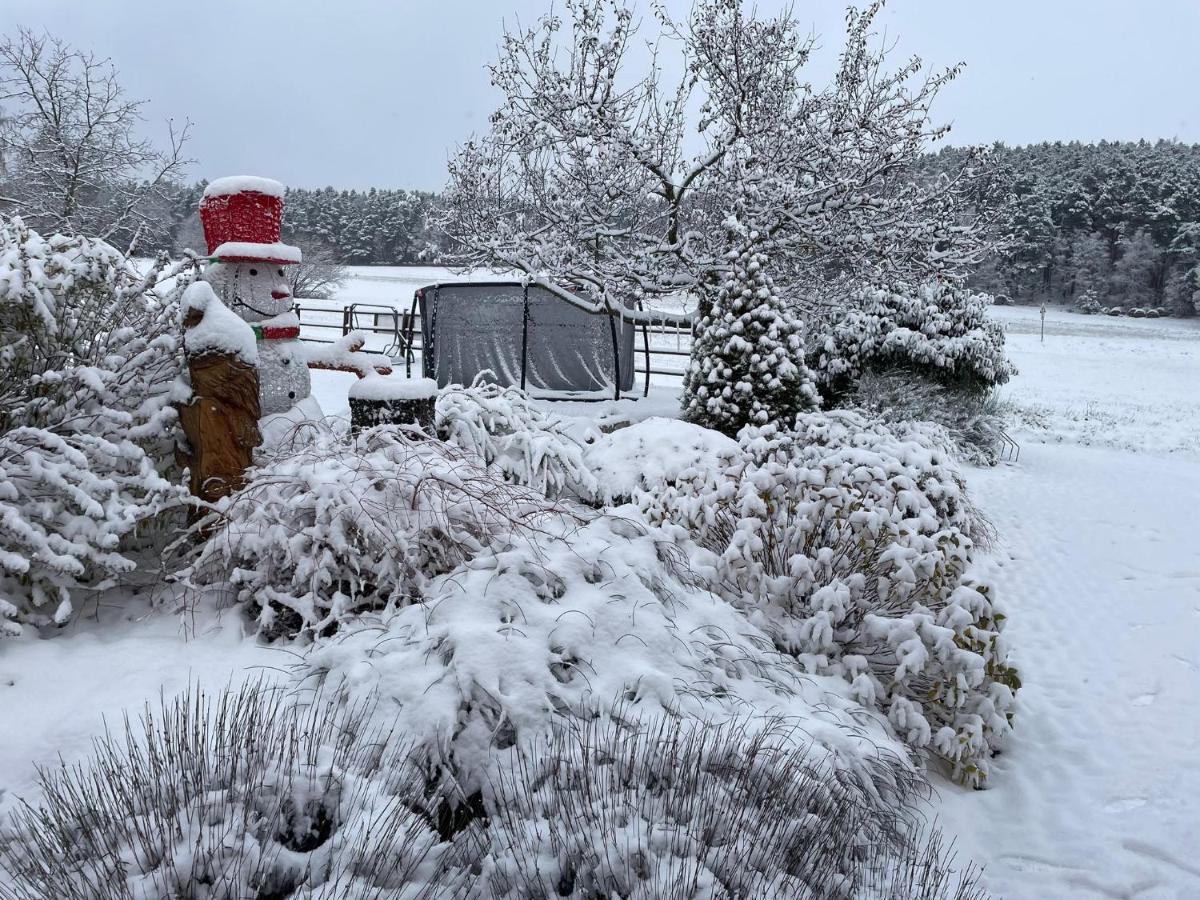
x=245, y=795
x=330, y=529
x=88, y=357
x=971, y=425
x=935, y=329
x=851, y=548
x=698, y=809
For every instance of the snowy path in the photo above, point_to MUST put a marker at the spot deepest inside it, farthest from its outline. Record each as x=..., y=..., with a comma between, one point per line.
x=1099, y=793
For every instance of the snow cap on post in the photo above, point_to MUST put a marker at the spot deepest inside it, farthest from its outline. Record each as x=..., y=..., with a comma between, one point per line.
x=242, y=217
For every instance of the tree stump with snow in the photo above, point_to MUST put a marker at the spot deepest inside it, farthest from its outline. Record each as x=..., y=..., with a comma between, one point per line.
x=378, y=400
x=220, y=419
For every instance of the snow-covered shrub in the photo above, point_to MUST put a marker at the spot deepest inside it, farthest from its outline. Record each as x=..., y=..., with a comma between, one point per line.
x=935, y=329
x=747, y=364
x=1116, y=311
x=504, y=428
x=699, y=809
x=973, y=423
x=88, y=357
x=599, y=619
x=248, y=796
x=1137, y=312
x=342, y=525
x=262, y=794
x=1087, y=303
x=851, y=548
x=653, y=452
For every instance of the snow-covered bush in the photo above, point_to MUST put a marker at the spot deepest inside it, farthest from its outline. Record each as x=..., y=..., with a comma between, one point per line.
x=599, y=619
x=329, y=529
x=504, y=428
x=747, y=364
x=653, y=452
x=935, y=329
x=1087, y=303
x=88, y=357
x=973, y=423
x=696, y=810
x=267, y=795
x=248, y=796
x=851, y=548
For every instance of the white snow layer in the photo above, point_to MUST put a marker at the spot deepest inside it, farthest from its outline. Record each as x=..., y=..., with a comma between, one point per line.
x=280, y=253
x=1098, y=794
x=220, y=331
x=237, y=184
x=654, y=451
x=390, y=387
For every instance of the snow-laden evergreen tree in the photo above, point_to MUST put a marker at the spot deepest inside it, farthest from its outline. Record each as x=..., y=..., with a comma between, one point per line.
x=88, y=357
x=747, y=365
x=1046, y=202
x=937, y=330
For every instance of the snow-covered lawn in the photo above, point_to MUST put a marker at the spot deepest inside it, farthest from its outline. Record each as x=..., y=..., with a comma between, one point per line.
x=1098, y=562
x=1099, y=794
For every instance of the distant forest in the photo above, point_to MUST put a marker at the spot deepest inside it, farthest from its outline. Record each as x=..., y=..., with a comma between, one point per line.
x=1107, y=223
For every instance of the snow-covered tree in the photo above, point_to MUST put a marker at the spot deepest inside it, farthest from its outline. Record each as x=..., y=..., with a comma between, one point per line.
x=747, y=365
x=1183, y=291
x=935, y=329
x=1089, y=265
x=588, y=174
x=88, y=356
x=73, y=159
x=1134, y=274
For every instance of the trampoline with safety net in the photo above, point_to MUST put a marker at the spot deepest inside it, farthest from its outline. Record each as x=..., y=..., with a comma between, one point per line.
x=549, y=342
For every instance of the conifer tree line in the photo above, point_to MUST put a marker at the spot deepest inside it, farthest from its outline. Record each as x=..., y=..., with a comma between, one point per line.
x=358, y=228
x=1114, y=224
x=1110, y=224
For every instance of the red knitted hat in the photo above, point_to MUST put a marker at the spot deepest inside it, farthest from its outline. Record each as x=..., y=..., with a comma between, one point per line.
x=242, y=216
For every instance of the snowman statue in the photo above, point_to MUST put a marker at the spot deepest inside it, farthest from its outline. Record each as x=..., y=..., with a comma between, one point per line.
x=242, y=217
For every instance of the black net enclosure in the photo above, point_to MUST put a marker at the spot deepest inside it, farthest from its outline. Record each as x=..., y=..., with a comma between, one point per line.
x=524, y=335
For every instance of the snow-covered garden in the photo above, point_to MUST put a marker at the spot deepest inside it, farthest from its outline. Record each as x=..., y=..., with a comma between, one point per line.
x=881, y=589
x=592, y=610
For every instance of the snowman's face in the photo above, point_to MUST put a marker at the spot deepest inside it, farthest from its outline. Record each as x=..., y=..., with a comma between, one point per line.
x=255, y=291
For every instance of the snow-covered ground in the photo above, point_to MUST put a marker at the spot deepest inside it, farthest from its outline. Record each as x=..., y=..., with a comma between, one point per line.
x=1099, y=563
x=1099, y=794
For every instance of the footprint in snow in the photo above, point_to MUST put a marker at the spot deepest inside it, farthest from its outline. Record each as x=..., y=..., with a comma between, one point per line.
x=1124, y=804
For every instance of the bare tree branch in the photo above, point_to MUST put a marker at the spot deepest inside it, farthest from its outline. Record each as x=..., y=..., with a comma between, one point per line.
x=73, y=161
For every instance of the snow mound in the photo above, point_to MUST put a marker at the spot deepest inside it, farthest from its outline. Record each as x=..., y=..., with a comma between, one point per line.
x=655, y=451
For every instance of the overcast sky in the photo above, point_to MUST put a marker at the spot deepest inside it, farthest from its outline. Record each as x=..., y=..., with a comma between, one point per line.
x=355, y=94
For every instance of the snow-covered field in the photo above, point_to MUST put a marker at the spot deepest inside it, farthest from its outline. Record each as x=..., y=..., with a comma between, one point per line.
x=1099, y=795
x=1099, y=563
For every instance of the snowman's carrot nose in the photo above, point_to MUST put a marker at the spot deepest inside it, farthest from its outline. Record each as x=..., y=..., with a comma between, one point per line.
x=280, y=295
